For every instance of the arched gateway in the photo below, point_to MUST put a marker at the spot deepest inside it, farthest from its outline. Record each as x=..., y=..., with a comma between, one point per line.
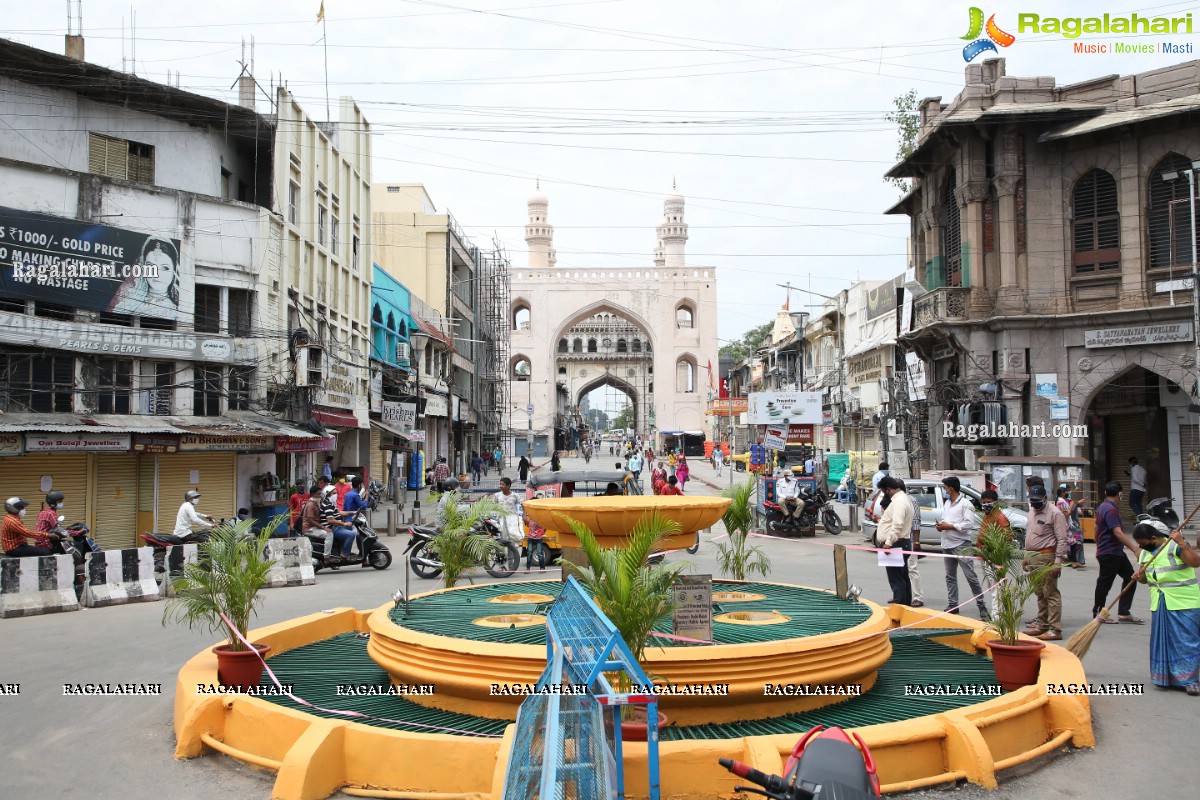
x=649, y=332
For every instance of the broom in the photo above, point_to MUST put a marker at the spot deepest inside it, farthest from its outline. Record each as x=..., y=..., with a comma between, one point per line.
x=1081, y=641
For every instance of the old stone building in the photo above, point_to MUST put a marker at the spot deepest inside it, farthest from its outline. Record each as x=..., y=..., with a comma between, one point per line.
x=1052, y=234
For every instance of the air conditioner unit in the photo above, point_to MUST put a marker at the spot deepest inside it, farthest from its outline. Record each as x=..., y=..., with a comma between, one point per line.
x=402, y=352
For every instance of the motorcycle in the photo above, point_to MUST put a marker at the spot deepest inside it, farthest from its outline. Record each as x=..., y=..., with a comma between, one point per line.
x=813, y=507
x=828, y=514
x=74, y=541
x=375, y=490
x=425, y=564
x=1160, y=509
x=369, y=551
x=827, y=766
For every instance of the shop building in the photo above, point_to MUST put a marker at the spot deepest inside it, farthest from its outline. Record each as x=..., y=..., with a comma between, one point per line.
x=1052, y=234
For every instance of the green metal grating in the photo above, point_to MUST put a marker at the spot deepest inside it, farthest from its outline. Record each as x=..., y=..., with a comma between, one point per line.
x=451, y=614
x=315, y=671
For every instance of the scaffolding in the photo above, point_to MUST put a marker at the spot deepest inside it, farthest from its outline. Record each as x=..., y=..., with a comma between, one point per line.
x=495, y=414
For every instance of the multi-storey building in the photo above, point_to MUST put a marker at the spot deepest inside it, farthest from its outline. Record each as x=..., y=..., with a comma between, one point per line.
x=144, y=294
x=1052, y=236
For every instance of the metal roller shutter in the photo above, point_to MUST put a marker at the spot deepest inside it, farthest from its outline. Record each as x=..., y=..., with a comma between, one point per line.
x=116, y=500
x=378, y=457
x=22, y=476
x=1128, y=435
x=218, y=485
x=1189, y=447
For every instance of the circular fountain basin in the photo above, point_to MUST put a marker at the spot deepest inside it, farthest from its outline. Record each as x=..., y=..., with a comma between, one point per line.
x=612, y=518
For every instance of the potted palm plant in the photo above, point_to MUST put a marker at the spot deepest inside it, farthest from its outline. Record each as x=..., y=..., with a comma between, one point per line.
x=635, y=595
x=738, y=557
x=460, y=543
x=220, y=592
x=1015, y=660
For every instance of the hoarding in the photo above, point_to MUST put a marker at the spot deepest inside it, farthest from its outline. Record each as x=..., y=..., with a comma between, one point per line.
x=783, y=408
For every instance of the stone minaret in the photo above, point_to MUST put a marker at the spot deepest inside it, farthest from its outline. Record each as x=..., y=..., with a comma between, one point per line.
x=672, y=231
x=539, y=233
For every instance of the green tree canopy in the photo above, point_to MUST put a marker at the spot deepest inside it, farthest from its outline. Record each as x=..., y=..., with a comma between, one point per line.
x=744, y=347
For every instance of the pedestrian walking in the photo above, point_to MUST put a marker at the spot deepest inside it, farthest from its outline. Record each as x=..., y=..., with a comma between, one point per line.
x=718, y=460
x=957, y=526
x=523, y=469
x=682, y=471
x=1070, y=509
x=1046, y=539
x=1137, y=485
x=476, y=467
x=498, y=457
x=1111, y=544
x=1174, y=605
x=441, y=471
x=672, y=487
x=555, y=464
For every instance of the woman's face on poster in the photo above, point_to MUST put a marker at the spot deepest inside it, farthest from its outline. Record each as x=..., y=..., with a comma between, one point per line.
x=161, y=282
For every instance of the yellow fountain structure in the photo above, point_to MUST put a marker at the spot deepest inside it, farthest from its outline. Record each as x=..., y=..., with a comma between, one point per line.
x=454, y=743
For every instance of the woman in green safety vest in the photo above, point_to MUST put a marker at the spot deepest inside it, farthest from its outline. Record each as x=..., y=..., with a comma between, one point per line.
x=1174, y=605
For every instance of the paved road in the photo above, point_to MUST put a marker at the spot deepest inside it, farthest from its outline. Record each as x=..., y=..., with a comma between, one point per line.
x=120, y=748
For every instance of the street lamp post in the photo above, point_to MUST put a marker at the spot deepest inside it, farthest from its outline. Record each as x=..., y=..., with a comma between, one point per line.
x=841, y=352
x=1191, y=176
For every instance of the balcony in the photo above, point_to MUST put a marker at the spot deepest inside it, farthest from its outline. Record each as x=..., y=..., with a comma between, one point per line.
x=948, y=304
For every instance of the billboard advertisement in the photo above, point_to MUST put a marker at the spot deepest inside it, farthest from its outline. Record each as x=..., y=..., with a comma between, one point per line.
x=783, y=408
x=87, y=265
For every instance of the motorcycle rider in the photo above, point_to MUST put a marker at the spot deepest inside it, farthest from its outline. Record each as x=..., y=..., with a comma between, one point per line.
x=13, y=532
x=342, y=535
x=787, y=490
x=354, y=502
x=47, y=520
x=188, y=519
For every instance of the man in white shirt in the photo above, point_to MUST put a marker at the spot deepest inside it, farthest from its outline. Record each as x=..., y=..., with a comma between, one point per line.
x=188, y=519
x=895, y=528
x=787, y=492
x=957, y=526
x=512, y=509
x=883, y=472
x=1137, y=485
x=810, y=466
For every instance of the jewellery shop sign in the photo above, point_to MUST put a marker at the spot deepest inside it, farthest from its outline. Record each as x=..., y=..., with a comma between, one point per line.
x=134, y=342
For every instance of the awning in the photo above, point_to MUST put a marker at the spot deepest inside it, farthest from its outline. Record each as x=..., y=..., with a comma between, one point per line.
x=432, y=330
x=342, y=420
x=383, y=426
x=867, y=345
x=232, y=424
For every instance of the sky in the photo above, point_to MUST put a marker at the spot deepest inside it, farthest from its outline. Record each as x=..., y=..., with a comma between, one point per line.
x=768, y=116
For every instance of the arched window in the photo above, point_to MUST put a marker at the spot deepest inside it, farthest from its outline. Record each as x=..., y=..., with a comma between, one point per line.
x=1096, y=226
x=591, y=345
x=684, y=317
x=637, y=345
x=391, y=321
x=951, y=235
x=622, y=346
x=1169, y=217
x=685, y=375
x=562, y=370
x=562, y=345
x=520, y=370
x=577, y=346
x=376, y=315
x=521, y=318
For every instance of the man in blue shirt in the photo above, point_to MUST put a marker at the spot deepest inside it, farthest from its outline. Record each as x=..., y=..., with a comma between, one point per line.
x=351, y=505
x=327, y=470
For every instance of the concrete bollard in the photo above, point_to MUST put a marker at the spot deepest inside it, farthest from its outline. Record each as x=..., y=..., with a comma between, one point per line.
x=392, y=514
x=37, y=585
x=116, y=577
x=173, y=562
x=293, y=564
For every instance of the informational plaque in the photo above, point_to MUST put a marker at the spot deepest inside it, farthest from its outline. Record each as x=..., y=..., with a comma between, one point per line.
x=693, y=617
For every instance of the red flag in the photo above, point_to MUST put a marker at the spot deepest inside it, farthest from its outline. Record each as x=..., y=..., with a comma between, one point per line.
x=711, y=385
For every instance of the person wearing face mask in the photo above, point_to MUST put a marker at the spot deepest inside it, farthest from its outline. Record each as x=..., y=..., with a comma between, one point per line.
x=47, y=520
x=957, y=522
x=992, y=515
x=189, y=519
x=1046, y=538
x=1070, y=509
x=13, y=533
x=1174, y=605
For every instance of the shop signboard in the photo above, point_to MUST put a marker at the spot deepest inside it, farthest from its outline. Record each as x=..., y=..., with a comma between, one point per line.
x=800, y=434
x=402, y=415
x=783, y=408
x=108, y=340
x=77, y=442
x=436, y=405
x=237, y=443
x=416, y=436
x=1139, y=335
x=12, y=444
x=155, y=443
x=292, y=444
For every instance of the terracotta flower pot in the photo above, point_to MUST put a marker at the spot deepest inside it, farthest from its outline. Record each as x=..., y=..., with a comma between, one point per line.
x=240, y=668
x=636, y=729
x=1016, y=665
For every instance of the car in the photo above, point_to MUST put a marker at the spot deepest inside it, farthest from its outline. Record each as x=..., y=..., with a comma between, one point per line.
x=930, y=498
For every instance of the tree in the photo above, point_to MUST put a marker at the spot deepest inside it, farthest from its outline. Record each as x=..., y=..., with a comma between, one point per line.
x=597, y=420
x=625, y=419
x=908, y=125
x=743, y=348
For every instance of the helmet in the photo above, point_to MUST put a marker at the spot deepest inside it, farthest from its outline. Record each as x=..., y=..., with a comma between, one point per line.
x=54, y=498
x=328, y=490
x=450, y=484
x=14, y=505
x=1160, y=509
x=190, y=495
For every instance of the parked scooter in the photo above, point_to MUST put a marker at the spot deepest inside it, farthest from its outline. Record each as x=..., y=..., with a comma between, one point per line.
x=425, y=564
x=824, y=767
x=369, y=551
x=375, y=491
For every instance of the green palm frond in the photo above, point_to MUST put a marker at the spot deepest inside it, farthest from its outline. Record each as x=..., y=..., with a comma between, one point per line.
x=458, y=545
x=231, y=571
x=738, y=557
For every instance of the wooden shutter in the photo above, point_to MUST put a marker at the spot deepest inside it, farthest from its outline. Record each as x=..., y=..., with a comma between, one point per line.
x=108, y=156
x=116, y=500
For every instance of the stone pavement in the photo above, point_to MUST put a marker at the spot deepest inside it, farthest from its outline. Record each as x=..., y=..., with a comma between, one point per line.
x=121, y=747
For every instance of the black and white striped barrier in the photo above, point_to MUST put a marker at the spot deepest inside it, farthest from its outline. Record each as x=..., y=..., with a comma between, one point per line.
x=37, y=585
x=174, y=559
x=115, y=577
x=292, y=562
